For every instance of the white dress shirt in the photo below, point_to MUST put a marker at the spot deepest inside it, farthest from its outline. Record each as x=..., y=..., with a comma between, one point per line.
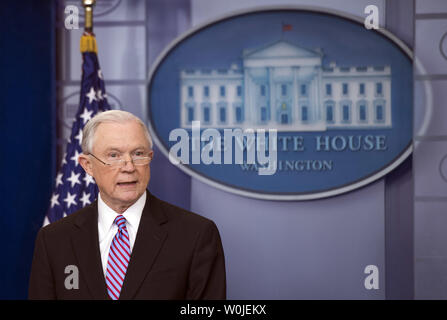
x=107, y=229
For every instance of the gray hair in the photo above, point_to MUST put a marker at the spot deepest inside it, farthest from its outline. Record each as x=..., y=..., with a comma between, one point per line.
x=116, y=116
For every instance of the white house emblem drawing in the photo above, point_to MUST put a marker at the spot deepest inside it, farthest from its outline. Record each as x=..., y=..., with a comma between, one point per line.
x=326, y=101
x=287, y=87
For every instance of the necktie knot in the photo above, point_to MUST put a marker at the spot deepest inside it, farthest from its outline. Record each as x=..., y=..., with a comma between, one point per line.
x=120, y=221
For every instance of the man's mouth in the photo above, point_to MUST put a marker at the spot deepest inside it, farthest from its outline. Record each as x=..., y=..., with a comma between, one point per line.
x=127, y=183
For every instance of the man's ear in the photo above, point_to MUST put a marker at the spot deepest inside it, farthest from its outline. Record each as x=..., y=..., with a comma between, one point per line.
x=85, y=162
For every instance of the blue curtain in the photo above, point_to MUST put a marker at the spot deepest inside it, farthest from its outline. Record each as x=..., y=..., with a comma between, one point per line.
x=27, y=124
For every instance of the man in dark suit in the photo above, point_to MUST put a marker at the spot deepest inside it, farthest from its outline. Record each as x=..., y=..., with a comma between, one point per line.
x=127, y=244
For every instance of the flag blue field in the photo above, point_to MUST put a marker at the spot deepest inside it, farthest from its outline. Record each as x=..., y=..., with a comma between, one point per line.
x=74, y=188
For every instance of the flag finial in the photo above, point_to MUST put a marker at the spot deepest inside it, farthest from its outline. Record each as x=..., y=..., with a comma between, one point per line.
x=88, y=41
x=88, y=7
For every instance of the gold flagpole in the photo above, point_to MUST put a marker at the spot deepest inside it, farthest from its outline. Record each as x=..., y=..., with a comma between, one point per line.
x=88, y=41
x=88, y=8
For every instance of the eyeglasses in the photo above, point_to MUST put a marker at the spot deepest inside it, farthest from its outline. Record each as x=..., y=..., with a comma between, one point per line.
x=119, y=163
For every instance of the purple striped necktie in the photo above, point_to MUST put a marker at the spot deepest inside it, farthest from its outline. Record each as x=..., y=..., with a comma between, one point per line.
x=119, y=256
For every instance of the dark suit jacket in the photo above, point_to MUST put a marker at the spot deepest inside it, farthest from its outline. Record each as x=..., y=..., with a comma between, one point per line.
x=176, y=255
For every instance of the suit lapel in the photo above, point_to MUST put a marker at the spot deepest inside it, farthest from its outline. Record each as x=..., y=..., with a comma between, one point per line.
x=149, y=240
x=86, y=247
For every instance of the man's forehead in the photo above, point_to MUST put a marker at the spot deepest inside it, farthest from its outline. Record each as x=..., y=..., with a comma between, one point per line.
x=119, y=129
x=116, y=134
x=106, y=125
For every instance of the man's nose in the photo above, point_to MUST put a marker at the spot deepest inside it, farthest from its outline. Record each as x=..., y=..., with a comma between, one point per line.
x=128, y=164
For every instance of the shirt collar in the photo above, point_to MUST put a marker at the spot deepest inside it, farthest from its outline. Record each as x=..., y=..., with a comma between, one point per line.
x=106, y=215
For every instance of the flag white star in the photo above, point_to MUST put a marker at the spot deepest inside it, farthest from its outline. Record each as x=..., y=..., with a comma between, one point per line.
x=91, y=95
x=85, y=198
x=70, y=199
x=46, y=221
x=64, y=215
x=74, y=178
x=99, y=73
x=54, y=200
x=86, y=115
x=63, y=159
x=79, y=136
x=75, y=158
x=88, y=179
x=99, y=94
x=59, y=179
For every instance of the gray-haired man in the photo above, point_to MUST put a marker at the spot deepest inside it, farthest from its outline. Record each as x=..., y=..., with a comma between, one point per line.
x=128, y=244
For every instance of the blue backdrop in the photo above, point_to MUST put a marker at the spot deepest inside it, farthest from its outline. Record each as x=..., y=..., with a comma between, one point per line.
x=27, y=117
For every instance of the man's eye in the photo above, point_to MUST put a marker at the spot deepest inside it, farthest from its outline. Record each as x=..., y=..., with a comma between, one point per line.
x=113, y=155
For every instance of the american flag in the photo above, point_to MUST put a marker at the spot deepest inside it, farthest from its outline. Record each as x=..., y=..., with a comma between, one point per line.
x=74, y=188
